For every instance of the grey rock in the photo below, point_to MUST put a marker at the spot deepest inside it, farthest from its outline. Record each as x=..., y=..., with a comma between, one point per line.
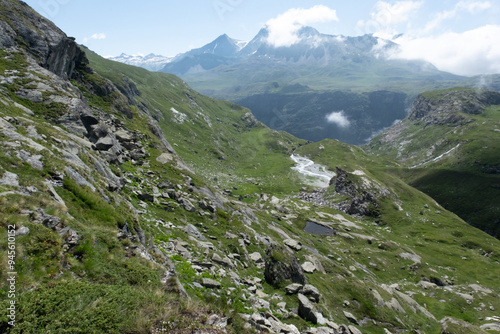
x=354, y=330
x=446, y=109
x=165, y=185
x=10, y=179
x=22, y=231
x=395, y=305
x=293, y=244
x=281, y=265
x=217, y=321
x=186, y=204
x=259, y=303
x=105, y=143
x=229, y=235
x=124, y=135
x=193, y=231
x=491, y=327
x=39, y=216
x=343, y=329
x=306, y=309
x=165, y=158
x=78, y=178
x=33, y=160
x=223, y=261
x=333, y=325
x=54, y=194
x=311, y=292
x=412, y=257
x=210, y=283
x=320, y=319
x=351, y=317
x=69, y=236
x=256, y=257
x=197, y=285
x=308, y=267
x=293, y=288
x=145, y=196
x=362, y=199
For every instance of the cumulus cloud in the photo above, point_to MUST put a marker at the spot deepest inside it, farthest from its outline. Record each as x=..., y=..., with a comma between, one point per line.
x=283, y=28
x=471, y=7
x=469, y=53
x=338, y=118
x=386, y=17
x=96, y=36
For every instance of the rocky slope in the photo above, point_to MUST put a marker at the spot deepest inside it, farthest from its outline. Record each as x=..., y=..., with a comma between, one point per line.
x=450, y=143
x=159, y=210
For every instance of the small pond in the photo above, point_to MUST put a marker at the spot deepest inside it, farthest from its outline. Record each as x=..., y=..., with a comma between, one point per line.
x=318, y=229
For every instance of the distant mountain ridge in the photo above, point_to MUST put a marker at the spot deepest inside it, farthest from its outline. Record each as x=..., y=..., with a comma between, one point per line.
x=295, y=79
x=150, y=62
x=312, y=46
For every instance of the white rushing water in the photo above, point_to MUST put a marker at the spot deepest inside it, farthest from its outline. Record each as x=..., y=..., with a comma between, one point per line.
x=315, y=174
x=436, y=158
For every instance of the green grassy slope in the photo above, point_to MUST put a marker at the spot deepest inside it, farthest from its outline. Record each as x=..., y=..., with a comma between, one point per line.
x=218, y=138
x=403, y=267
x=455, y=163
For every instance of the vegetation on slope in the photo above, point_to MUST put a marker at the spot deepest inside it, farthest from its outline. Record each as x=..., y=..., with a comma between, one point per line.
x=453, y=157
x=119, y=232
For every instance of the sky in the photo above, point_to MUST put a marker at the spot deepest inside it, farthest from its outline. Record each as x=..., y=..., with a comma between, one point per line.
x=458, y=36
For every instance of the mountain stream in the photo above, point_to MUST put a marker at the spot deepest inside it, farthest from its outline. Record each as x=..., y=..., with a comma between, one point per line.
x=314, y=174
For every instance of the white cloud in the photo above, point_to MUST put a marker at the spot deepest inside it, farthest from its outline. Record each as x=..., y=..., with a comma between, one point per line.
x=471, y=7
x=283, y=28
x=338, y=118
x=96, y=36
x=385, y=18
x=469, y=53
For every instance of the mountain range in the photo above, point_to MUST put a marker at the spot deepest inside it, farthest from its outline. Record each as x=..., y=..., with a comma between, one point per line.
x=150, y=62
x=295, y=88
x=131, y=203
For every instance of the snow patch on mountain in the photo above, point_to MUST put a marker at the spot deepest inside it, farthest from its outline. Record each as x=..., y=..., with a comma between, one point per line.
x=150, y=62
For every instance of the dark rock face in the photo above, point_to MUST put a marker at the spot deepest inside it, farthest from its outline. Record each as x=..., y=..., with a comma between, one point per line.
x=281, y=266
x=306, y=309
x=129, y=89
x=362, y=201
x=444, y=109
x=47, y=43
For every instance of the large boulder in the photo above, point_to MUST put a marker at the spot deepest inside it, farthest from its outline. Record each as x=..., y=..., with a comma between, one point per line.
x=210, y=283
x=282, y=267
x=311, y=292
x=293, y=288
x=10, y=179
x=306, y=309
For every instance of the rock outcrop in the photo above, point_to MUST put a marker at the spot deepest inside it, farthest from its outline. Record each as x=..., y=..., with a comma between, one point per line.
x=282, y=266
x=47, y=43
x=445, y=108
x=362, y=193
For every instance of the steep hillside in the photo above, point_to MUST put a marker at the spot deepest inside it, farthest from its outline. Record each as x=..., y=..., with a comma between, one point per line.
x=356, y=117
x=129, y=203
x=450, y=144
x=216, y=138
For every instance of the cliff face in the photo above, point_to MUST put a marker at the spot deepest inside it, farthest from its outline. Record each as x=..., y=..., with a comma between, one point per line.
x=48, y=44
x=444, y=107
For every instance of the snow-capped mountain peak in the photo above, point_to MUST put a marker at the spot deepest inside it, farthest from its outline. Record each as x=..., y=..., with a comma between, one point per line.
x=151, y=62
